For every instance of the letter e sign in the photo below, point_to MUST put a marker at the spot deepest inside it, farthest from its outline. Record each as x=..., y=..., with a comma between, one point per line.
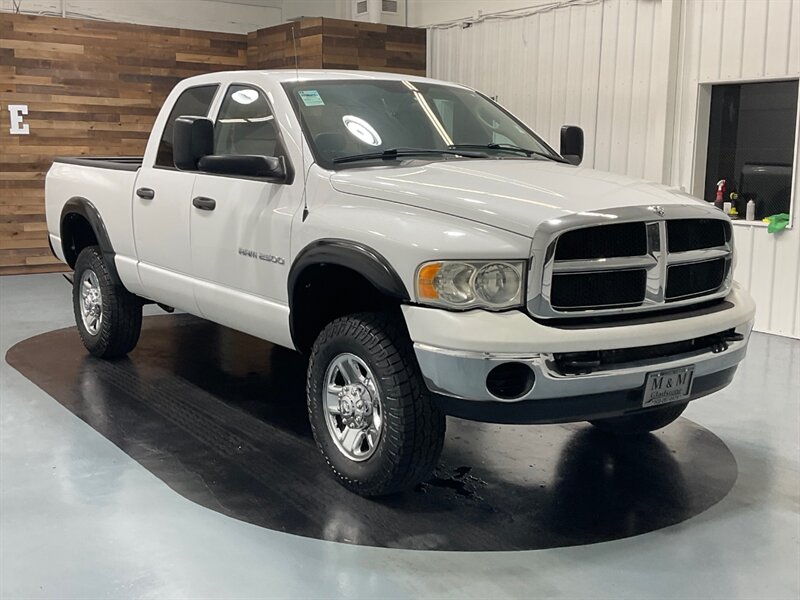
x=16, y=112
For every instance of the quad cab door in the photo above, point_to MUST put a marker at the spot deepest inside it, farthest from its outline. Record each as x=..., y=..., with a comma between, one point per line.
x=161, y=210
x=241, y=226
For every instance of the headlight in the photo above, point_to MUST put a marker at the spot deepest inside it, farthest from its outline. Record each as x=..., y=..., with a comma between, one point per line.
x=471, y=284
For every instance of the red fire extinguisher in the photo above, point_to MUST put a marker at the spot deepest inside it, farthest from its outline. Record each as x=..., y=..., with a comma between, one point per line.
x=719, y=201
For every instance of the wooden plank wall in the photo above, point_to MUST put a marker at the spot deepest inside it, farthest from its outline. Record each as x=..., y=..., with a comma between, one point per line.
x=95, y=88
x=273, y=47
x=337, y=44
x=373, y=47
x=91, y=88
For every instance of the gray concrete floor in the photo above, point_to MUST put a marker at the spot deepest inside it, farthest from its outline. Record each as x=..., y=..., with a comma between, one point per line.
x=80, y=519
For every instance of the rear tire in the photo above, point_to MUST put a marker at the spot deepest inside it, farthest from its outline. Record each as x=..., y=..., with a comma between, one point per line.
x=109, y=317
x=378, y=429
x=641, y=423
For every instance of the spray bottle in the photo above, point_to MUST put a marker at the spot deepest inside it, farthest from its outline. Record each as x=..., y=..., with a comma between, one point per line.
x=719, y=201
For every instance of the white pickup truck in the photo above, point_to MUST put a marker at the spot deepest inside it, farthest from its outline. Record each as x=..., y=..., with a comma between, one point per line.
x=428, y=251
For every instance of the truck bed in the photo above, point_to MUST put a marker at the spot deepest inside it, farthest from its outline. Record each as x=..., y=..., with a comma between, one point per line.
x=106, y=184
x=118, y=163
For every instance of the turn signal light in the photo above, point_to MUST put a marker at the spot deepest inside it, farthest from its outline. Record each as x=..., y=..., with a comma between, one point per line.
x=425, y=276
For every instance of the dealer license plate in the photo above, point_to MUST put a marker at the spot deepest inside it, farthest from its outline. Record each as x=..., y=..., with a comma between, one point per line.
x=668, y=386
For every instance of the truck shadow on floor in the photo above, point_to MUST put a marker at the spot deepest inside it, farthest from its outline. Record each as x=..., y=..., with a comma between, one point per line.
x=220, y=417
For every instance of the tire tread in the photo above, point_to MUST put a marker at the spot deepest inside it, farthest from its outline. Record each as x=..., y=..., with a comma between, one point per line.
x=122, y=311
x=414, y=432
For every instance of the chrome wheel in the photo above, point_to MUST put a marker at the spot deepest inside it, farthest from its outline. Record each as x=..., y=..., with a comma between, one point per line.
x=353, y=407
x=91, y=302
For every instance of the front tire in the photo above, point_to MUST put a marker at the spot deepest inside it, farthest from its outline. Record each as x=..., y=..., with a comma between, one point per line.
x=109, y=317
x=370, y=411
x=641, y=423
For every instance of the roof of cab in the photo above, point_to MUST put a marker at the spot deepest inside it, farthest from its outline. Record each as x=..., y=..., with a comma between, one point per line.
x=282, y=75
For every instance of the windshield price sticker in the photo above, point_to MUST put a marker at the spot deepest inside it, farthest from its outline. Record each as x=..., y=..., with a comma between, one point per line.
x=311, y=98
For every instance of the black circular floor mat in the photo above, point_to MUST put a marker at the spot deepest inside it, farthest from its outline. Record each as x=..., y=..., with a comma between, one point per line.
x=220, y=417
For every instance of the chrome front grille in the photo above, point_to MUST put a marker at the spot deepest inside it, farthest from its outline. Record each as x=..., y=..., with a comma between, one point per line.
x=629, y=260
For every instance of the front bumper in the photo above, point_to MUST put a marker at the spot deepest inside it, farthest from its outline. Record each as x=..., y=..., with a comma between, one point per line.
x=456, y=352
x=588, y=407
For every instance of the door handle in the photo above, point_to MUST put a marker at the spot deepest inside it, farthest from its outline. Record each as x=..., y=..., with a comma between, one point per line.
x=204, y=203
x=145, y=193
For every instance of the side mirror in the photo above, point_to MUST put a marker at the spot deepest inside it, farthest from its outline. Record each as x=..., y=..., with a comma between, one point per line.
x=271, y=168
x=192, y=139
x=572, y=144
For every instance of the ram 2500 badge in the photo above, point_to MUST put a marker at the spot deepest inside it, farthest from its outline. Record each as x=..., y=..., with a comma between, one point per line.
x=429, y=253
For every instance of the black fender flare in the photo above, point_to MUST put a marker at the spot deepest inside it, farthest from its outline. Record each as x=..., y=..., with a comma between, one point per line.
x=78, y=205
x=353, y=255
x=357, y=257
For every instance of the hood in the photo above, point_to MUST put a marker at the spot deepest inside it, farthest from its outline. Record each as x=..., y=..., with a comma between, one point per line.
x=516, y=195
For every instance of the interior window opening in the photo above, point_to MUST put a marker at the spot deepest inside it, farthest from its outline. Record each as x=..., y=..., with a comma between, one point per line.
x=751, y=149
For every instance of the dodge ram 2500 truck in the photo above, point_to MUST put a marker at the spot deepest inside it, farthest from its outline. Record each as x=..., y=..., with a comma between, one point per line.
x=429, y=252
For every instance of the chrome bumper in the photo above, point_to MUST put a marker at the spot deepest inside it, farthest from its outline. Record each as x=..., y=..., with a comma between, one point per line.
x=462, y=374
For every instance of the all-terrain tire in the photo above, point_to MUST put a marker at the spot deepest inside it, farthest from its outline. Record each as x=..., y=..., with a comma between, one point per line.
x=121, y=323
x=643, y=422
x=413, y=428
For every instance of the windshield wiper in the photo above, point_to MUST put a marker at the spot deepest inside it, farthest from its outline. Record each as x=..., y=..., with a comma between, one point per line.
x=395, y=153
x=511, y=148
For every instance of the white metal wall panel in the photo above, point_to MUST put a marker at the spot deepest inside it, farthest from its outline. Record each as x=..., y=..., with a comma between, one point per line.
x=608, y=67
x=599, y=66
x=760, y=41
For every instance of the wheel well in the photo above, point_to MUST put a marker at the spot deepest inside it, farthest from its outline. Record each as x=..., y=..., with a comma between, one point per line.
x=76, y=234
x=325, y=292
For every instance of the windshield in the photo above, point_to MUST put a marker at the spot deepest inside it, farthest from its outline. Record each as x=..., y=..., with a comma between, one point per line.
x=351, y=117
